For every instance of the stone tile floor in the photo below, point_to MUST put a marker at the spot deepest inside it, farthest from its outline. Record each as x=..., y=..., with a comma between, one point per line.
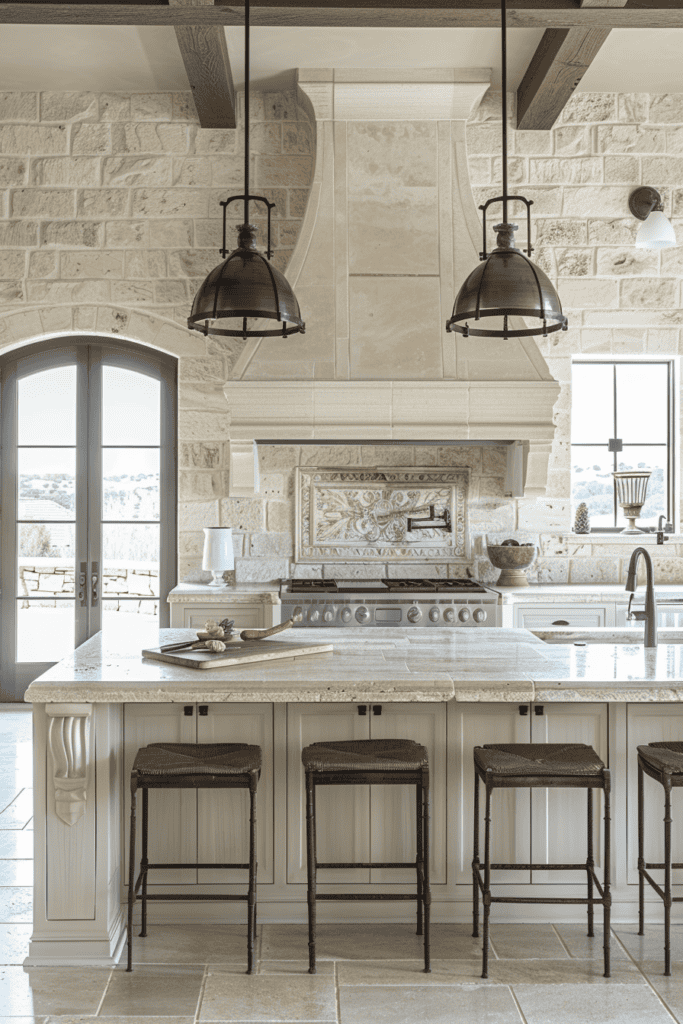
x=550, y=974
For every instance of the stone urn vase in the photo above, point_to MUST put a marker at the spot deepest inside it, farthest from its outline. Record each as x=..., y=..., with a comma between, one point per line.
x=512, y=558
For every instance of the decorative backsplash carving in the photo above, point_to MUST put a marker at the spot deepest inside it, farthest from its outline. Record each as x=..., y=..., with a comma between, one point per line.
x=346, y=514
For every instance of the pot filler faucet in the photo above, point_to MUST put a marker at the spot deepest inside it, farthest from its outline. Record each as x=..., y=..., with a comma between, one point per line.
x=649, y=614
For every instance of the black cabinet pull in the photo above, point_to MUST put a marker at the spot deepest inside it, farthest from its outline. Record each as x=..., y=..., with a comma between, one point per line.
x=559, y=622
x=538, y=709
x=203, y=710
x=524, y=709
x=362, y=709
x=377, y=709
x=188, y=710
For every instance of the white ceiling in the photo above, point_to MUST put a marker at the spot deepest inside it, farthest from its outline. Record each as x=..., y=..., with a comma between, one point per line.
x=108, y=58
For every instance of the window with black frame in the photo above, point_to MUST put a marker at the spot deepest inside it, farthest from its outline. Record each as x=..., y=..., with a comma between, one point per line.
x=622, y=419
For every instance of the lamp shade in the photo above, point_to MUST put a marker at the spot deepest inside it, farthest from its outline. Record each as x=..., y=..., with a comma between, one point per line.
x=218, y=550
x=656, y=232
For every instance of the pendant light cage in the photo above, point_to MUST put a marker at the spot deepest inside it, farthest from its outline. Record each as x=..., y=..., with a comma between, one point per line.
x=245, y=286
x=506, y=283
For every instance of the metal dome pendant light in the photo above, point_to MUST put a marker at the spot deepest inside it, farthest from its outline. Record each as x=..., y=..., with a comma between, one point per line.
x=245, y=285
x=507, y=283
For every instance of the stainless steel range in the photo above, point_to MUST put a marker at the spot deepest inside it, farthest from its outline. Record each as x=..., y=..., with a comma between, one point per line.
x=407, y=602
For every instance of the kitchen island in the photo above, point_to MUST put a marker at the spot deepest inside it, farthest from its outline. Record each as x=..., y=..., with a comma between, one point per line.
x=450, y=689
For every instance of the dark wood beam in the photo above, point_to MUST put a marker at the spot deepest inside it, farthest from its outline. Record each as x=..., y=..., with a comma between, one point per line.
x=205, y=56
x=545, y=14
x=561, y=60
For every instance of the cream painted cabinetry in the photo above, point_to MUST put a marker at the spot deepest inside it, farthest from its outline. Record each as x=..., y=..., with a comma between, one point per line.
x=192, y=604
x=533, y=826
x=543, y=615
x=362, y=823
x=187, y=825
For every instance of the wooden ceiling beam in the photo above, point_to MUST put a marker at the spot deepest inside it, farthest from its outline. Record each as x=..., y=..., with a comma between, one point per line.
x=205, y=55
x=546, y=14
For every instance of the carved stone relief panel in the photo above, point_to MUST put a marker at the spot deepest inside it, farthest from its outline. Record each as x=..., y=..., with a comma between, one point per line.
x=361, y=514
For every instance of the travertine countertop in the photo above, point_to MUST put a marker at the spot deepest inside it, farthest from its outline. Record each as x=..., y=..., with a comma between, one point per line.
x=388, y=665
x=585, y=593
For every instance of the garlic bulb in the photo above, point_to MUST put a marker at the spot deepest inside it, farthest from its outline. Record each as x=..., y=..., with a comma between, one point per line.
x=213, y=629
x=215, y=646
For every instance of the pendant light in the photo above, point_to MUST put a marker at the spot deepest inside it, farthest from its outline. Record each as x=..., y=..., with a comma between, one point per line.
x=507, y=283
x=245, y=285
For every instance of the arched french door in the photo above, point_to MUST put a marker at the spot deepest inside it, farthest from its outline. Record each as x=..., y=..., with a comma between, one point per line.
x=88, y=538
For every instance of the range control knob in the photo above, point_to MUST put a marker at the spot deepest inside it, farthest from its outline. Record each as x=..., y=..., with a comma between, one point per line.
x=480, y=615
x=328, y=615
x=362, y=613
x=414, y=614
x=346, y=614
x=313, y=615
x=434, y=614
x=449, y=615
x=464, y=614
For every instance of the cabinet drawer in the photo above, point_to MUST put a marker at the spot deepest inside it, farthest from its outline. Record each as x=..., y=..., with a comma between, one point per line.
x=544, y=616
x=246, y=616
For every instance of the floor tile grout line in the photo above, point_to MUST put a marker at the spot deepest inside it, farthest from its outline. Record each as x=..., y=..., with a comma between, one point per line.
x=337, y=994
x=106, y=989
x=653, y=989
x=200, y=997
x=517, y=1004
x=563, y=943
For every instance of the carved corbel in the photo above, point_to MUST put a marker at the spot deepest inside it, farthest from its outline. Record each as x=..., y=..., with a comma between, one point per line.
x=68, y=739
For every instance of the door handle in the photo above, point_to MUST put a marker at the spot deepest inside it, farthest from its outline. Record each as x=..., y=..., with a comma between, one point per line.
x=82, y=583
x=94, y=580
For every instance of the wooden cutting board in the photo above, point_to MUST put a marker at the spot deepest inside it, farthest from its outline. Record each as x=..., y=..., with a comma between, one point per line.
x=239, y=652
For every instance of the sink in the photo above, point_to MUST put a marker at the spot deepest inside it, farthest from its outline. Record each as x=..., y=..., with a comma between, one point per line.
x=605, y=635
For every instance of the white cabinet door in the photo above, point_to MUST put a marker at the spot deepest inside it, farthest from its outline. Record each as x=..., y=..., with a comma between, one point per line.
x=650, y=723
x=559, y=816
x=342, y=812
x=393, y=808
x=223, y=814
x=473, y=725
x=542, y=616
x=172, y=812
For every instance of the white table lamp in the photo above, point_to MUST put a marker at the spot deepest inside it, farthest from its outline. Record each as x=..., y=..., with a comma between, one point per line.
x=218, y=553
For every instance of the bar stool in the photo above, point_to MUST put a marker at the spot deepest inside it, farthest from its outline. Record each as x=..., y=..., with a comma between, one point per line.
x=192, y=766
x=663, y=762
x=372, y=763
x=541, y=765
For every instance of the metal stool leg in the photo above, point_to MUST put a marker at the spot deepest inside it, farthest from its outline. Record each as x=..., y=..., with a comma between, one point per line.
x=475, y=862
x=419, y=859
x=590, y=863
x=144, y=863
x=131, y=876
x=426, y=889
x=641, y=850
x=667, y=873
x=607, y=894
x=311, y=868
x=487, y=883
x=251, y=904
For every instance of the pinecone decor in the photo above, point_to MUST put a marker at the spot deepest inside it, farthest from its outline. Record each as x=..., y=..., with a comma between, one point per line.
x=582, y=523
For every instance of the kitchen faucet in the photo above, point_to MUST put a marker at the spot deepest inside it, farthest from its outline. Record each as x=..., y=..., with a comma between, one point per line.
x=649, y=614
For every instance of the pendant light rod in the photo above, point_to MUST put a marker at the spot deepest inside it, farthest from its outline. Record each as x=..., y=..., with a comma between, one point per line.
x=246, y=111
x=504, y=84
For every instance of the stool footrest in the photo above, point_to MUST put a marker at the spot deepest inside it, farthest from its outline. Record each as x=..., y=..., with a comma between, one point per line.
x=545, y=899
x=183, y=896
x=662, y=866
x=396, y=864
x=539, y=867
x=363, y=896
x=245, y=867
x=658, y=889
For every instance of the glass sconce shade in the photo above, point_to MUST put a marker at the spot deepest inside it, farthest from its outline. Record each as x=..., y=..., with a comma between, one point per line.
x=218, y=552
x=631, y=485
x=656, y=232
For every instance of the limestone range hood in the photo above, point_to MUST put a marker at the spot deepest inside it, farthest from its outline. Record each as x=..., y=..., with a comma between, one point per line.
x=391, y=230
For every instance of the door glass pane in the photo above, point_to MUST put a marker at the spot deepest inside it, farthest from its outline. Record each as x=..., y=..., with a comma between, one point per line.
x=130, y=483
x=130, y=625
x=654, y=458
x=46, y=407
x=130, y=407
x=593, y=483
x=45, y=630
x=46, y=559
x=642, y=403
x=592, y=403
x=47, y=483
x=130, y=556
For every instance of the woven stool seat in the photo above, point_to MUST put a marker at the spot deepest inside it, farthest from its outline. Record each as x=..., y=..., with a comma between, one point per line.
x=197, y=759
x=538, y=759
x=663, y=756
x=364, y=755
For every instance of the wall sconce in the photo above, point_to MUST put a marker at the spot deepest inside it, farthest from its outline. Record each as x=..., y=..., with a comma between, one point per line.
x=656, y=231
x=219, y=555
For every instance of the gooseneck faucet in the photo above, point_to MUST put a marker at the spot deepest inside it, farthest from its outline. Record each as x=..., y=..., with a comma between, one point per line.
x=649, y=614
